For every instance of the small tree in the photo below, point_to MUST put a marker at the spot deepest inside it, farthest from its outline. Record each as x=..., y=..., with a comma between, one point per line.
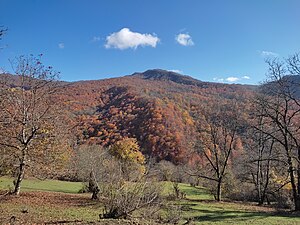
x=218, y=140
x=28, y=113
x=91, y=167
x=260, y=157
x=131, y=160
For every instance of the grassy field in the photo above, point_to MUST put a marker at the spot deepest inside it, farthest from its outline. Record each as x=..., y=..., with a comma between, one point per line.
x=42, y=185
x=50, y=201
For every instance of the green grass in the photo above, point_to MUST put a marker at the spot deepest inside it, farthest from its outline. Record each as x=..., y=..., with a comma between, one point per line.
x=195, y=193
x=198, y=205
x=201, y=207
x=233, y=213
x=42, y=185
x=46, y=213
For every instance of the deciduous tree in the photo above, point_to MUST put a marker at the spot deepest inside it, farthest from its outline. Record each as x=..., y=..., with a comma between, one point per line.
x=28, y=113
x=281, y=111
x=218, y=140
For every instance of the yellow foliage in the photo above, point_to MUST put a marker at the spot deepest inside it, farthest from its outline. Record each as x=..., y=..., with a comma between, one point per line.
x=128, y=150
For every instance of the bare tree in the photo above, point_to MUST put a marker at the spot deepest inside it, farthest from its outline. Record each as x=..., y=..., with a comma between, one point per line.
x=281, y=111
x=218, y=139
x=261, y=157
x=28, y=112
x=90, y=166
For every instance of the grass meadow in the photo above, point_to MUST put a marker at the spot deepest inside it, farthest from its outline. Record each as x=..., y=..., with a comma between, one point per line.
x=52, y=201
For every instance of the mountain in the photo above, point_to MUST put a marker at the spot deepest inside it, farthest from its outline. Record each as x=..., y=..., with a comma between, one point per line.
x=289, y=85
x=165, y=75
x=163, y=110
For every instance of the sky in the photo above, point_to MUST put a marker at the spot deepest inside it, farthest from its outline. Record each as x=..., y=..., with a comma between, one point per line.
x=210, y=40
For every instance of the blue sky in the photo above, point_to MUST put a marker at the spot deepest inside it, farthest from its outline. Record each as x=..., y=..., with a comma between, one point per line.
x=224, y=41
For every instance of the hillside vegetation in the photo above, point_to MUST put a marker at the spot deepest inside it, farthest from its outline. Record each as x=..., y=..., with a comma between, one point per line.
x=162, y=109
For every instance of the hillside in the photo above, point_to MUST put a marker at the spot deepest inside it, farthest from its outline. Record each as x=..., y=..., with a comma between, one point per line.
x=162, y=109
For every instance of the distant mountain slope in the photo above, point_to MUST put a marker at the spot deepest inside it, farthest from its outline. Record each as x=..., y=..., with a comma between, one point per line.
x=162, y=109
x=164, y=75
x=291, y=83
x=294, y=81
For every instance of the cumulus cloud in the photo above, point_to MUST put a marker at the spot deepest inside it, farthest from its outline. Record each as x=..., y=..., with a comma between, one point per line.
x=268, y=54
x=61, y=45
x=125, y=38
x=184, y=39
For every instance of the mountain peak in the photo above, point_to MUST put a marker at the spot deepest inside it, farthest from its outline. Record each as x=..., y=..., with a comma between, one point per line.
x=165, y=75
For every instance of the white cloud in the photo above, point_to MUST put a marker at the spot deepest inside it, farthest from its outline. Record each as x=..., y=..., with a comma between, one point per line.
x=125, y=38
x=176, y=71
x=246, y=77
x=184, y=39
x=268, y=54
x=61, y=45
x=232, y=79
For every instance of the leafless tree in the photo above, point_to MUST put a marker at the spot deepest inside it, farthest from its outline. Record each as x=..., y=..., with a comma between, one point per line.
x=281, y=111
x=261, y=155
x=91, y=166
x=218, y=140
x=28, y=112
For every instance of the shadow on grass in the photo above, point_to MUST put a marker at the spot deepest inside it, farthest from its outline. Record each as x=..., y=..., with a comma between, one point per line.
x=229, y=215
x=215, y=214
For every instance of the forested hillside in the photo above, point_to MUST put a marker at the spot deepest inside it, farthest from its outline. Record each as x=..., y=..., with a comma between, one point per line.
x=163, y=110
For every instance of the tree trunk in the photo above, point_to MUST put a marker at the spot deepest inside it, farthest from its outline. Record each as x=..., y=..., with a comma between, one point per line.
x=297, y=201
x=93, y=186
x=21, y=173
x=296, y=197
x=19, y=179
x=219, y=190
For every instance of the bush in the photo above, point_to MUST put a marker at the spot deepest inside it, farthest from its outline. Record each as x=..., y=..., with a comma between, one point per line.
x=120, y=200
